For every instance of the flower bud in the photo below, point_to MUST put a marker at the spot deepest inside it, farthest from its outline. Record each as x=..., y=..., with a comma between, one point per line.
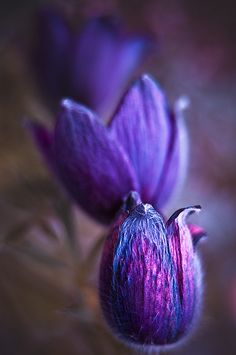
x=150, y=278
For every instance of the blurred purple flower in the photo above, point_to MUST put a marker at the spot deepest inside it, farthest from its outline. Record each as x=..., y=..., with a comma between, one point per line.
x=143, y=148
x=92, y=66
x=150, y=276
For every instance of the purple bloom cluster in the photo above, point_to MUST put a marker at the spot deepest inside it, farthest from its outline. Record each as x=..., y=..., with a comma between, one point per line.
x=150, y=278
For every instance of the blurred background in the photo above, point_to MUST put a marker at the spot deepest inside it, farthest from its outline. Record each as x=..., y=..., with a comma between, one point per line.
x=49, y=251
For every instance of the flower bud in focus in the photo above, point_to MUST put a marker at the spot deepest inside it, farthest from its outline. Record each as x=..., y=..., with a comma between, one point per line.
x=150, y=276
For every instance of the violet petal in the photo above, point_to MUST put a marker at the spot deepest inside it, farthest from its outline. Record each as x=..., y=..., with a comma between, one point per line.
x=134, y=277
x=93, y=168
x=142, y=127
x=175, y=167
x=50, y=54
x=43, y=138
x=103, y=58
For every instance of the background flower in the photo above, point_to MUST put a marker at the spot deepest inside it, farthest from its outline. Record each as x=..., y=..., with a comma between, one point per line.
x=143, y=148
x=92, y=65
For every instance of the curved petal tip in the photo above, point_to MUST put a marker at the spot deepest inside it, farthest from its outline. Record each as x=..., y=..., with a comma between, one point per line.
x=181, y=104
x=184, y=212
x=131, y=201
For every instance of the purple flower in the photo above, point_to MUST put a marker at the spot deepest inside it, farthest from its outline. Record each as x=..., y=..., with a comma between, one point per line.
x=150, y=276
x=142, y=148
x=92, y=66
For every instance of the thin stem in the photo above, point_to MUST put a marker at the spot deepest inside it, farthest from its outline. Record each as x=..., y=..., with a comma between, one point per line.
x=91, y=258
x=65, y=211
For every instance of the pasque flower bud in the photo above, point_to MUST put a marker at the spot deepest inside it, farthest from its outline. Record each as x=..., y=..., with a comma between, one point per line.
x=150, y=277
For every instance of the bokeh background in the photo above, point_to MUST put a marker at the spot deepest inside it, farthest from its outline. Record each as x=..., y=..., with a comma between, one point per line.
x=50, y=251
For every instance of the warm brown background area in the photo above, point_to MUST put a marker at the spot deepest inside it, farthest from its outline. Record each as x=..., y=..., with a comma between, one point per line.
x=48, y=302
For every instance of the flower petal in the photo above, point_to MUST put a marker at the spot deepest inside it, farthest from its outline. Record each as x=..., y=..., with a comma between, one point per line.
x=135, y=288
x=175, y=167
x=43, y=139
x=93, y=168
x=142, y=127
x=50, y=54
x=102, y=61
x=131, y=200
x=178, y=219
x=186, y=264
x=197, y=233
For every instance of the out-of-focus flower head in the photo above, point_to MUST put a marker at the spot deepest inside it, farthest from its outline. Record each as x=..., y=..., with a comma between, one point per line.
x=92, y=66
x=150, y=276
x=143, y=148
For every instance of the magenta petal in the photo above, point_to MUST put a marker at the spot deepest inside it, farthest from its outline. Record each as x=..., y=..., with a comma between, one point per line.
x=102, y=61
x=197, y=233
x=43, y=139
x=186, y=263
x=93, y=168
x=142, y=127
